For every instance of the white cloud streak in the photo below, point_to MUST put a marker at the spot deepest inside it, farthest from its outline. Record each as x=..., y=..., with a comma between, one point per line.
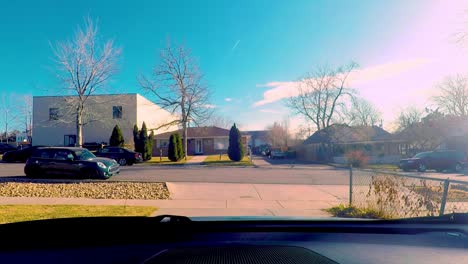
x=227, y=99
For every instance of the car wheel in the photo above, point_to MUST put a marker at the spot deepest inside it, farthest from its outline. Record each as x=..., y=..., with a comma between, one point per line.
x=422, y=167
x=130, y=163
x=90, y=174
x=122, y=162
x=32, y=173
x=458, y=167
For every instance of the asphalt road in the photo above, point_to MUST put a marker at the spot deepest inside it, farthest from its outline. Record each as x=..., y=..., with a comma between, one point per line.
x=311, y=174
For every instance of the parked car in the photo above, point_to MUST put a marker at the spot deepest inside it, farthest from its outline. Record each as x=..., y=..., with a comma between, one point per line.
x=277, y=154
x=93, y=146
x=69, y=161
x=20, y=155
x=434, y=160
x=4, y=147
x=122, y=155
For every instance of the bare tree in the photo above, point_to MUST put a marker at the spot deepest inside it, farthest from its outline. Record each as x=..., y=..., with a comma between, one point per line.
x=177, y=85
x=219, y=121
x=362, y=113
x=26, y=114
x=453, y=98
x=320, y=95
x=8, y=116
x=278, y=135
x=84, y=65
x=408, y=117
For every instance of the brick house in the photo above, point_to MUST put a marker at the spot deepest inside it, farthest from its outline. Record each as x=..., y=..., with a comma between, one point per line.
x=201, y=141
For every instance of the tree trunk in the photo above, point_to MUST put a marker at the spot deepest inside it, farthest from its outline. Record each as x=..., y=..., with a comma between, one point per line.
x=185, y=139
x=79, y=129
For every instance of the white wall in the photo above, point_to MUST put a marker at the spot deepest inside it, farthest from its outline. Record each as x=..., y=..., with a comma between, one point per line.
x=135, y=110
x=99, y=111
x=153, y=115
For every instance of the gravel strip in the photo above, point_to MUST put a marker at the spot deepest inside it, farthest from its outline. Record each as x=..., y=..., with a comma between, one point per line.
x=93, y=190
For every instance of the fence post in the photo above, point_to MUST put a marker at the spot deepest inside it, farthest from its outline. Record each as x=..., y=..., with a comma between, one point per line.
x=444, y=197
x=350, y=185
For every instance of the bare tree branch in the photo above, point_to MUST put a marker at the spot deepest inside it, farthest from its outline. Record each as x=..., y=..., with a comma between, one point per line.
x=453, y=98
x=177, y=86
x=83, y=66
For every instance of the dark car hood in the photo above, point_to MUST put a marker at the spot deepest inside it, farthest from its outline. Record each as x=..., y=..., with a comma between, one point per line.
x=106, y=161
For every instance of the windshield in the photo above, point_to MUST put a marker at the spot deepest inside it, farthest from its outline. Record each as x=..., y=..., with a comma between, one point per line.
x=242, y=108
x=422, y=155
x=84, y=155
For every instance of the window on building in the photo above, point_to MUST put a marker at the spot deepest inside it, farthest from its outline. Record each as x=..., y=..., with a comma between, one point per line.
x=53, y=114
x=163, y=143
x=221, y=143
x=117, y=112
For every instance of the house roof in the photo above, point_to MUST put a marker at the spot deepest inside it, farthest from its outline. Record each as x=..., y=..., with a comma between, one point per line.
x=345, y=134
x=445, y=127
x=198, y=132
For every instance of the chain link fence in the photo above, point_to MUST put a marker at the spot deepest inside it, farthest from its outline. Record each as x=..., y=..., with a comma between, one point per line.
x=398, y=196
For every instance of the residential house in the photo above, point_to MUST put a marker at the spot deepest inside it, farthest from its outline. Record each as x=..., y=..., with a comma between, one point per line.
x=333, y=142
x=54, y=118
x=201, y=141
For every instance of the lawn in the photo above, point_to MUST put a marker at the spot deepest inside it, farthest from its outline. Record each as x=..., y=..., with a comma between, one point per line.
x=386, y=167
x=165, y=161
x=214, y=160
x=19, y=213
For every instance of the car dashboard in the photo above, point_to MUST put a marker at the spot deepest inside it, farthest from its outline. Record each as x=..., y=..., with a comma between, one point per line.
x=138, y=240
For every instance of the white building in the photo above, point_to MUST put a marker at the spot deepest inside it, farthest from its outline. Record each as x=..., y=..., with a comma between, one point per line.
x=54, y=118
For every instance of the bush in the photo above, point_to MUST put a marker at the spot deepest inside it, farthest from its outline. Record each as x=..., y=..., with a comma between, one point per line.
x=179, y=146
x=173, y=150
x=235, y=148
x=354, y=212
x=116, y=139
x=136, y=138
x=143, y=140
x=149, y=147
x=356, y=158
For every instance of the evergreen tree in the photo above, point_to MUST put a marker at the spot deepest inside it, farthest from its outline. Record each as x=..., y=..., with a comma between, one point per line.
x=180, y=146
x=116, y=139
x=235, y=149
x=149, y=151
x=172, y=152
x=136, y=137
x=143, y=141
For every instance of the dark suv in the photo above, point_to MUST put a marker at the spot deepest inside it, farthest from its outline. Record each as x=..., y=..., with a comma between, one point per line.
x=434, y=160
x=68, y=161
x=122, y=155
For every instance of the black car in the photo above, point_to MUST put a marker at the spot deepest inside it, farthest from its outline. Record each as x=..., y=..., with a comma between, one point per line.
x=20, y=155
x=69, y=161
x=122, y=155
x=434, y=160
x=4, y=147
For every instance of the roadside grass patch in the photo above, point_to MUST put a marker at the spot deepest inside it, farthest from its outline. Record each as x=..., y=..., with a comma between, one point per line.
x=92, y=190
x=216, y=160
x=165, y=161
x=20, y=213
x=354, y=212
x=385, y=167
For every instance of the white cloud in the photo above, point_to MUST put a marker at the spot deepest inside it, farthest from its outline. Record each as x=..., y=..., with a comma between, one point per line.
x=227, y=99
x=209, y=106
x=281, y=90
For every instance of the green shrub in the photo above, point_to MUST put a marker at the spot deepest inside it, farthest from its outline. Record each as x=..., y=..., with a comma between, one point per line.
x=235, y=148
x=179, y=146
x=149, y=147
x=143, y=140
x=172, y=151
x=136, y=138
x=356, y=158
x=116, y=139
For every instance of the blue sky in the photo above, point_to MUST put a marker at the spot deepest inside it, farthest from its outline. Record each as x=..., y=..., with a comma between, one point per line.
x=248, y=50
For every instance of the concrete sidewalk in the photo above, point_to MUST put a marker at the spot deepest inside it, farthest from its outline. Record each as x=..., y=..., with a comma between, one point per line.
x=196, y=160
x=215, y=199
